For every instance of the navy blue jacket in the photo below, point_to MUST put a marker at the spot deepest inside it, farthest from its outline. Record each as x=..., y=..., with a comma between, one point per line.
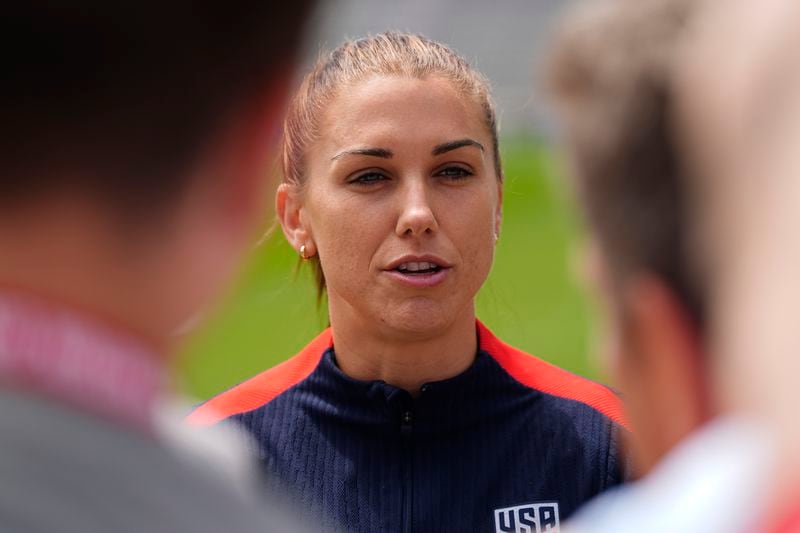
x=511, y=444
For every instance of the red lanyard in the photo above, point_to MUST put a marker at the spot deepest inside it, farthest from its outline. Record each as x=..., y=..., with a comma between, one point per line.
x=61, y=354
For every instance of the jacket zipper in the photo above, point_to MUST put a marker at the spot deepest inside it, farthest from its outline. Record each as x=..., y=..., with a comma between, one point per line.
x=406, y=429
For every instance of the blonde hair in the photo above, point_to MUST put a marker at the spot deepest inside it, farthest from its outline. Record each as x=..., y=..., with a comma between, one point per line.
x=389, y=53
x=611, y=74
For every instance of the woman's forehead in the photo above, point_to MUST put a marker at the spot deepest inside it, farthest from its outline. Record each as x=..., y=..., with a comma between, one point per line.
x=399, y=110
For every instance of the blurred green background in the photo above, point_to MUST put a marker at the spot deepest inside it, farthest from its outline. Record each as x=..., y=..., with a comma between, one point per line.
x=531, y=300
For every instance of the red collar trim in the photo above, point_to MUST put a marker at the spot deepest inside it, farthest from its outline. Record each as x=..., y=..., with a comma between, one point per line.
x=532, y=372
x=61, y=354
x=543, y=376
x=264, y=387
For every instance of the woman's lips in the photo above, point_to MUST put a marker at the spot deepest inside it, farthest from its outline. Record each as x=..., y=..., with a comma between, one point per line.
x=427, y=279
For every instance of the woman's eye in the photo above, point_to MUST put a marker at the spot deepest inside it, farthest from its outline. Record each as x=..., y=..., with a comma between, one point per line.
x=368, y=178
x=455, y=173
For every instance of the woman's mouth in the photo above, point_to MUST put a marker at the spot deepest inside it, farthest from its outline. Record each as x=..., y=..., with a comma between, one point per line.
x=419, y=274
x=418, y=268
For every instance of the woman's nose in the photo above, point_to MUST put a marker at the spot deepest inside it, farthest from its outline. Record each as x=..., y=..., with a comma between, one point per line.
x=416, y=213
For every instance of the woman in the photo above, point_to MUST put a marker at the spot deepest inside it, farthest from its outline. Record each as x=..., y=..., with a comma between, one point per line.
x=408, y=414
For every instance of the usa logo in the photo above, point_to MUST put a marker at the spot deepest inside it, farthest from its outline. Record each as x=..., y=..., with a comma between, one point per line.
x=528, y=518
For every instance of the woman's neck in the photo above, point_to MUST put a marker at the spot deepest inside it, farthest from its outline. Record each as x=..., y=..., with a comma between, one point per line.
x=407, y=360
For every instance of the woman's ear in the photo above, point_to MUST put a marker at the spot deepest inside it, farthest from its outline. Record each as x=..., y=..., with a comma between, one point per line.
x=289, y=208
x=498, y=215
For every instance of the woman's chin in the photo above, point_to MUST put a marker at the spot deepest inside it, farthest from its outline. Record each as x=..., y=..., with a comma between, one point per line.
x=419, y=318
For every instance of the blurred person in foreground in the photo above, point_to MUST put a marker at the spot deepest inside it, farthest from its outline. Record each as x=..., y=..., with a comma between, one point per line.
x=133, y=157
x=612, y=73
x=409, y=414
x=741, y=102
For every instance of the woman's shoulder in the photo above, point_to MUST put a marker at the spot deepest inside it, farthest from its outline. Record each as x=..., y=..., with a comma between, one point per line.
x=264, y=387
x=535, y=373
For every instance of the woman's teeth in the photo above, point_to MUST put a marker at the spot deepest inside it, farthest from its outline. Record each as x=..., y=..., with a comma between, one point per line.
x=417, y=266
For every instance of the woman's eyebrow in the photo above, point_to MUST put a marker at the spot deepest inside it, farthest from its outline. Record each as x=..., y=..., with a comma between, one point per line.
x=374, y=152
x=452, y=145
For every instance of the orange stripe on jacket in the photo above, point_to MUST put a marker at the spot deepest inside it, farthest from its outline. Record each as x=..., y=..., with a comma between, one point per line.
x=550, y=379
x=525, y=368
x=263, y=387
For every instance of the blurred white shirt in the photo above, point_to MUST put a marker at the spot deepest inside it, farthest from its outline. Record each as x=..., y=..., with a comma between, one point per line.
x=716, y=481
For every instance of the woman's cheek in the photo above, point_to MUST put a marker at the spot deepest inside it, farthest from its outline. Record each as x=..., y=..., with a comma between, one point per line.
x=345, y=251
x=478, y=257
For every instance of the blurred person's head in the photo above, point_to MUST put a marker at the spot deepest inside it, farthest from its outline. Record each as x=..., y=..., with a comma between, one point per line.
x=610, y=73
x=134, y=146
x=740, y=102
x=393, y=184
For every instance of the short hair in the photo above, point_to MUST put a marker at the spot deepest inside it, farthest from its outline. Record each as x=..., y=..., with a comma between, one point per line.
x=118, y=98
x=610, y=74
x=388, y=53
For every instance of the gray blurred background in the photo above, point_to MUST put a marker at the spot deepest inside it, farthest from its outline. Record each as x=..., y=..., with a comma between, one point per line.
x=504, y=40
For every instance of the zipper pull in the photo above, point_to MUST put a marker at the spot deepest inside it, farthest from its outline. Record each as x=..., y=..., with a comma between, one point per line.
x=406, y=423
